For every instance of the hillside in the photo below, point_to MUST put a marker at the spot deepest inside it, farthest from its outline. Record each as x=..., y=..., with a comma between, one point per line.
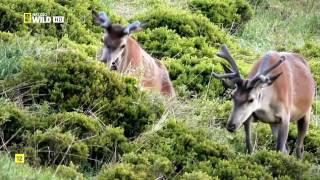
x=75, y=119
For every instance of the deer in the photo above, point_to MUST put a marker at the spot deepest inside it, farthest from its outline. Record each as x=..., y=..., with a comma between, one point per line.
x=122, y=53
x=279, y=90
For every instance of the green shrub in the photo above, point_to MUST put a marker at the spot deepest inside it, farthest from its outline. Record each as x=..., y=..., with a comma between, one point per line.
x=280, y=164
x=69, y=172
x=184, y=23
x=310, y=50
x=241, y=169
x=185, y=147
x=107, y=146
x=68, y=80
x=78, y=25
x=197, y=175
x=14, y=121
x=228, y=13
x=152, y=164
x=163, y=42
x=121, y=171
x=315, y=69
x=80, y=125
x=192, y=76
x=54, y=147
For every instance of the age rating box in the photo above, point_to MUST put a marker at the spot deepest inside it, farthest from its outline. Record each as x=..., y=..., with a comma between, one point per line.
x=19, y=158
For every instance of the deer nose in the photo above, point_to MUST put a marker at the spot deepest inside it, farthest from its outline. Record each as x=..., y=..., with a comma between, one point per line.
x=231, y=127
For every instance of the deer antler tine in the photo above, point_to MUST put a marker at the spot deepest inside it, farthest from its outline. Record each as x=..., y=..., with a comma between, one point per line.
x=219, y=76
x=262, y=76
x=226, y=68
x=232, y=73
x=224, y=53
x=131, y=27
x=266, y=71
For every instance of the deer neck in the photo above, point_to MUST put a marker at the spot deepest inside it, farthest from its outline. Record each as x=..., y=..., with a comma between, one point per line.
x=130, y=57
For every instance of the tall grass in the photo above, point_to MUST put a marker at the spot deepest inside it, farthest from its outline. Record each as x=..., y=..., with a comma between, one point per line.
x=128, y=9
x=12, y=49
x=10, y=170
x=282, y=25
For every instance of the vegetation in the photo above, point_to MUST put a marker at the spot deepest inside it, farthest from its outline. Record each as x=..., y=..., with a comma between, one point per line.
x=75, y=119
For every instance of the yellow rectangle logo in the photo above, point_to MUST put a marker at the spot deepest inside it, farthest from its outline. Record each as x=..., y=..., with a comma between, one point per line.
x=19, y=158
x=27, y=18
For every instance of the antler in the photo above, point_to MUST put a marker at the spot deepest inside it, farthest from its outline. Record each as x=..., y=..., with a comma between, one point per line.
x=261, y=76
x=101, y=18
x=233, y=74
x=132, y=27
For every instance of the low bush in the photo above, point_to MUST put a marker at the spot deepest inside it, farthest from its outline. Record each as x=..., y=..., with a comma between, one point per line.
x=185, y=147
x=69, y=172
x=14, y=121
x=241, y=169
x=279, y=164
x=107, y=146
x=78, y=24
x=226, y=13
x=79, y=124
x=121, y=171
x=68, y=80
x=185, y=24
x=197, y=175
x=163, y=42
x=315, y=69
x=55, y=147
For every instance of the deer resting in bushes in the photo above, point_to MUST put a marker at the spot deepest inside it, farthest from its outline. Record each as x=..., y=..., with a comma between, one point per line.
x=279, y=90
x=122, y=53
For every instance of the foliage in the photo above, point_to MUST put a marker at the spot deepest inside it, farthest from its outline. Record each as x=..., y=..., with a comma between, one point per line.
x=144, y=165
x=79, y=124
x=197, y=175
x=11, y=170
x=69, y=172
x=279, y=164
x=108, y=145
x=228, y=13
x=66, y=112
x=241, y=169
x=163, y=42
x=185, y=147
x=74, y=12
x=185, y=24
x=69, y=81
x=56, y=147
x=281, y=25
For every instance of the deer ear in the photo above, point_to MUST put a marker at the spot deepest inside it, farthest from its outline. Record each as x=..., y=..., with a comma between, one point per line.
x=132, y=27
x=101, y=18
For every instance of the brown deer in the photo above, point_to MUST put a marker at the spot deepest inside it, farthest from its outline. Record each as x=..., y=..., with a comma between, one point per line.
x=279, y=90
x=122, y=53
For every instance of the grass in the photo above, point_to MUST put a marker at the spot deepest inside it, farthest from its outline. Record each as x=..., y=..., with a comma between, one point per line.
x=129, y=9
x=12, y=50
x=282, y=25
x=10, y=170
x=276, y=25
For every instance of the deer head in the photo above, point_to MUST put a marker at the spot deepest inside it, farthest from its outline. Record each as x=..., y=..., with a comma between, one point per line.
x=247, y=93
x=114, y=39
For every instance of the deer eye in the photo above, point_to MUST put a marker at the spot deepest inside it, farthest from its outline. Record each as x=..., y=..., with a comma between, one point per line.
x=250, y=100
x=108, y=47
x=122, y=46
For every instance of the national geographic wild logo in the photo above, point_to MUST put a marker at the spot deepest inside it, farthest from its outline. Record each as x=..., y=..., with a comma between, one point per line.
x=41, y=18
